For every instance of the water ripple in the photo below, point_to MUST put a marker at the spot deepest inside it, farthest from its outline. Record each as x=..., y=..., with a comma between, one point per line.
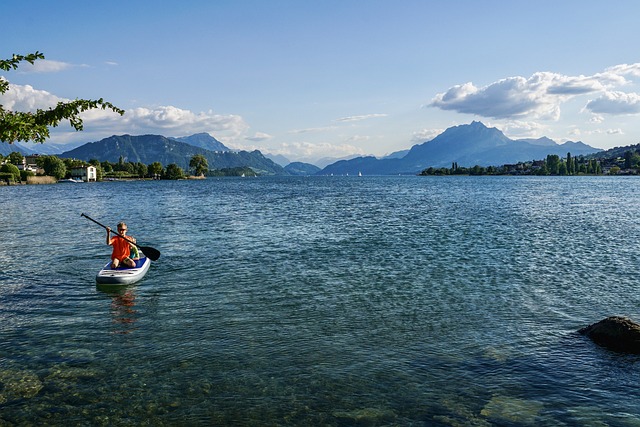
x=335, y=301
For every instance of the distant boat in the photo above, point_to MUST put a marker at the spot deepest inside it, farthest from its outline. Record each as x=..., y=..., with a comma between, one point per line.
x=359, y=173
x=69, y=180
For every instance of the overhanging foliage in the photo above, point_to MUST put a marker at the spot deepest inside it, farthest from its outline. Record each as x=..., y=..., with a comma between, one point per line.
x=34, y=126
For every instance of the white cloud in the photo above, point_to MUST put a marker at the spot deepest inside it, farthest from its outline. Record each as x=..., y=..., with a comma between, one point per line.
x=259, y=136
x=522, y=129
x=541, y=95
x=615, y=103
x=538, y=96
x=358, y=138
x=313, y=130
x=168, y=120
x=308, y=150
x=424, y=135
x=360, y=118
x=26, y=98
x=574, y=133
x=98, y=123
x=45, y=66
x=625, y=69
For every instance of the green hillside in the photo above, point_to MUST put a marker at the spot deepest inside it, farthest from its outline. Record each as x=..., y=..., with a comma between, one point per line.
x=156, y=148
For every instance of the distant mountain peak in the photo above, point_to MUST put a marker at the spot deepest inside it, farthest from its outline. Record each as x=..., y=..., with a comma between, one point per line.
x=203, y=140
x=467, y=145
x=477, y=124
x=544, y=141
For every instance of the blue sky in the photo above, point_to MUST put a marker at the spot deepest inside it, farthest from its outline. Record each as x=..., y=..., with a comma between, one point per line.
x=313, y=79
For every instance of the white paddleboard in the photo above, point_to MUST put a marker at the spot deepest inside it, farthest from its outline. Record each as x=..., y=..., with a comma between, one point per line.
x=123, y=275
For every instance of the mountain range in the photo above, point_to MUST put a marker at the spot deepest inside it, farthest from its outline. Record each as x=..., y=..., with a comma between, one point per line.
x=467, y=145
x=156, y=148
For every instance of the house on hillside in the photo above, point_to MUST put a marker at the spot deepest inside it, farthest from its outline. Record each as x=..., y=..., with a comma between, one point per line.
x=86, y=174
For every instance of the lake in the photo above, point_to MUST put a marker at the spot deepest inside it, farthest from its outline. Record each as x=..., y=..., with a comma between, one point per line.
x=332, y=301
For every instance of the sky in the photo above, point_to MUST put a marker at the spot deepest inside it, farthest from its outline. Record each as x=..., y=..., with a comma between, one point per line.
x=311, y=79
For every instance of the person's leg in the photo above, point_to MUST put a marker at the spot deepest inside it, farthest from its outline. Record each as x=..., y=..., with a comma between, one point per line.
x=115, y=263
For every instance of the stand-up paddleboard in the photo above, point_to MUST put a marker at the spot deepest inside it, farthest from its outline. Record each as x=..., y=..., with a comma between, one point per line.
x=123, y=275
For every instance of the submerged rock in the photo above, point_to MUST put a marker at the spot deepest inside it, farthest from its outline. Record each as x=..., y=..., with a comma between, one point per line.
x=18, y=385
x=367, y=416
x=510, y=410
x=615, y=333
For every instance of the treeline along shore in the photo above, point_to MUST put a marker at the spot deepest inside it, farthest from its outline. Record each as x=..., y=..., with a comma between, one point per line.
x=626, y=164
x=45, y=169
x=48, y=169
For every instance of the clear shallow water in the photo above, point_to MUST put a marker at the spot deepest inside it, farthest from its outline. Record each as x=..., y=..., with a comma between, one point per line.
x=323, y=301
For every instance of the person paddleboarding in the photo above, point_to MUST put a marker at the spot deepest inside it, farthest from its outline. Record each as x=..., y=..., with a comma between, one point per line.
x=122, y=247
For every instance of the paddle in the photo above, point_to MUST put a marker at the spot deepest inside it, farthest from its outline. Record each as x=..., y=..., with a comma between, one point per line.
x=151, y=253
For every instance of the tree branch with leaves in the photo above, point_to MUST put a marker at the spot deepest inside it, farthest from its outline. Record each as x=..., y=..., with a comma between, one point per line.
x=34, y=126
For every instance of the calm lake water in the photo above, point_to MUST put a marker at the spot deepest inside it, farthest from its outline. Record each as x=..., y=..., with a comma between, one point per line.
x=332, y=301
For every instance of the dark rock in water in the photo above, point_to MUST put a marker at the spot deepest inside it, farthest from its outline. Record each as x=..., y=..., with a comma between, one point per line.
x=616, y=333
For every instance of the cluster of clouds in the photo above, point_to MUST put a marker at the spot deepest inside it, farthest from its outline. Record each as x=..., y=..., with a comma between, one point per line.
x=523, y=103
x=166, y=120
x=541, y=95
x=313, y=151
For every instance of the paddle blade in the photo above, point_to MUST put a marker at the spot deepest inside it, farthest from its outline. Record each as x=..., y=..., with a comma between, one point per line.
x=151, y=253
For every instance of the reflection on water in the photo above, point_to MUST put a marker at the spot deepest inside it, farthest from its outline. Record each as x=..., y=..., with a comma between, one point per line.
x=122, y=309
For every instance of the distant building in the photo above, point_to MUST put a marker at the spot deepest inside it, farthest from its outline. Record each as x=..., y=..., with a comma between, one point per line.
x=538, y=164
x=29, y=164
x=86, y=174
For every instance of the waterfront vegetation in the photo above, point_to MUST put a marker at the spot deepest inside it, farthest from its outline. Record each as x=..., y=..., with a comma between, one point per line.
x=619, y=161
x=34, y=126
x=60, y=168
x=552, y=165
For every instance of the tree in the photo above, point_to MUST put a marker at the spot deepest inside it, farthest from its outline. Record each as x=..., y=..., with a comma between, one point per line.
x=477, y=170
x=12, y=169
x=120, y=166
x=155, y=169
x=553, y=163
x=24, y=175
x=107, y=167
x=52, y=166
x=174, y=172
x=562, y=169
x=571, y=166
x=200, y=164
x=627, y=159
x=141, y=169
x=74, y=163
x=15, y=158
x=631, y=159
x=34, y=126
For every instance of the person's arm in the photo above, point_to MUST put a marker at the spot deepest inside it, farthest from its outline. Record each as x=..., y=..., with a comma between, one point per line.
x=108, y=235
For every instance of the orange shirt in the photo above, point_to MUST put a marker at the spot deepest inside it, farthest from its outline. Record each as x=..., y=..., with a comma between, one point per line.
x=121, y=249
